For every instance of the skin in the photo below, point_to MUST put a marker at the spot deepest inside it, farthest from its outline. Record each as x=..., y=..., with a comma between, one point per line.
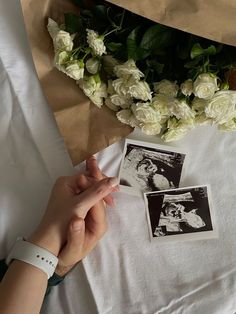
x=73, y=223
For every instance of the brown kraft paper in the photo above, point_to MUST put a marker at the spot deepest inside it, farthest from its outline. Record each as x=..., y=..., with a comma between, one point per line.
x=212, y=19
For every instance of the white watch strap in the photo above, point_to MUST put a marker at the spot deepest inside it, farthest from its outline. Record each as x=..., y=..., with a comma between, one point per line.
x=34, y=255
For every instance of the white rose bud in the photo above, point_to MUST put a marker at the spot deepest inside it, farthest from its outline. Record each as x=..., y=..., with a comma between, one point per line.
x=99, y=94
x=92, y=65
x=229, y=126
x=126, y=116
x=144, y=112
x=128, y=69
x=166, y=87
x=95, y=42
x=221, y=107
x=63, y=41
x=75, y=70
x=177, y=129
x=140, y=90
x=187, y=87
x=205, y=86
x=151, y=128
x=121, y=101
x=60, y=59
x=110, y=105
x=53, y=28
x=180, y=109
x=90, y=84
x=160, y=104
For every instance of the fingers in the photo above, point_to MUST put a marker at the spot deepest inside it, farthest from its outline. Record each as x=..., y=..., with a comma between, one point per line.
x=94, y=194
x=92, y=167
x=95, y=172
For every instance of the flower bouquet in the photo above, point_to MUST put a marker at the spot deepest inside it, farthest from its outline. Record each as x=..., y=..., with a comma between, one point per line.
x=159, y=79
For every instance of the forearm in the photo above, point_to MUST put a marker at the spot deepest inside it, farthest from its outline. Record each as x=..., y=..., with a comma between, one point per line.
x=22, y=289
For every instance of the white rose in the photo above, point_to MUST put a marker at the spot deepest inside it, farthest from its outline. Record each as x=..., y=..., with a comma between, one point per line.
x=53, y=28
x=151, y=128
x=144, y=112
x=90, y=84
x=140, y=90
x=221, y=107
x=177, y=129
x=205, y=86
x=166, y=87
x=199, y=104
x=75, y=70
x=121, y=101
x=109, y=63
x=97, y=100
x=229, y=126
x=95, y=42
x=120, y=86
x=187, y=87
x=60, y=60
x=92, y=65
x=160, y=104
x=180, y=109
x=63, y=41
x=128, y=69
x=110, y=105
x=126, y=116
x=99, y=94
x=203, y=119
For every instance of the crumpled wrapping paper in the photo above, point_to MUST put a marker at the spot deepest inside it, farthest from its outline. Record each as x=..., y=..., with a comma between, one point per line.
x=211, y=19
x=85, y=128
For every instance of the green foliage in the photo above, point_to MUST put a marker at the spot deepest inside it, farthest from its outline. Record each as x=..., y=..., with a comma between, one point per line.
x=197, y=51
x=156, y=37
x=160, y=51
x=73, y=23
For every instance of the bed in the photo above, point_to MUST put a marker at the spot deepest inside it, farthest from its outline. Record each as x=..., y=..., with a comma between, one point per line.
x=126, y=273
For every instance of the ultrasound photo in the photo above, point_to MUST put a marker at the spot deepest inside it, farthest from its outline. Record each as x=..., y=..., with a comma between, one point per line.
x=182, y=213
x=148, y=167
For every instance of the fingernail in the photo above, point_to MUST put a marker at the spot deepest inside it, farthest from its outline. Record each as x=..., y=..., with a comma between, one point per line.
x=77, y=225
x=113, y=181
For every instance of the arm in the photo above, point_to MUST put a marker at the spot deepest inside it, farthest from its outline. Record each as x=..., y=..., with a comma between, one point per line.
x=64, y=223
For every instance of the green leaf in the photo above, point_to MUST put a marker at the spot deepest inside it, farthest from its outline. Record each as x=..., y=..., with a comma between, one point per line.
x=197, y=51
x=72, y=23
x=156, y=37
x=112, y=46
x=131, y=43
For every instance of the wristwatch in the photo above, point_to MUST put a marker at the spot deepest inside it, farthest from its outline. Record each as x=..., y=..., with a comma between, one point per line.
x=33, y=255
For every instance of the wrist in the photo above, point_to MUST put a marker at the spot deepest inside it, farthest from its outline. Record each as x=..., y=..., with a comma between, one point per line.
x=46, y=240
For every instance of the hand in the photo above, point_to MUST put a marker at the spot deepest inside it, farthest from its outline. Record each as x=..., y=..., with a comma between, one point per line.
x=64, y=204
x=83, y=235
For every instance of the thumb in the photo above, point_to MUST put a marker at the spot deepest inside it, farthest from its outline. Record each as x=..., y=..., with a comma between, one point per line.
x=76, y=234
x=72, y=253
x=95, y=194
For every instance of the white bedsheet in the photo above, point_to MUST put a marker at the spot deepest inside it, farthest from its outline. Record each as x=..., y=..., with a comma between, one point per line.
x=125, y=274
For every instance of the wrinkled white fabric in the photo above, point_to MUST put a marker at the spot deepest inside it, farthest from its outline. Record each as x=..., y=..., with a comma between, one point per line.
x=125, y=274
